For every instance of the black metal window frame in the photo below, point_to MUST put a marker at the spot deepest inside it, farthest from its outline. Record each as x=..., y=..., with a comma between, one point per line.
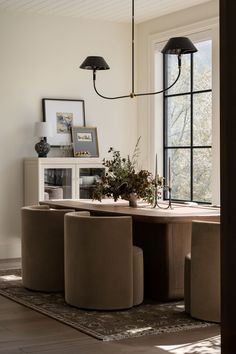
x=191, y=147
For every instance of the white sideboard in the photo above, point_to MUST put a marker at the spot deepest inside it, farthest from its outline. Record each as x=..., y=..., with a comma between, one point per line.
x=60, y=178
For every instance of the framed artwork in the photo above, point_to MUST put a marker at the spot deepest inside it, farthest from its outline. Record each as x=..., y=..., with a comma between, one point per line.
x=62, y=114
x=85, y=141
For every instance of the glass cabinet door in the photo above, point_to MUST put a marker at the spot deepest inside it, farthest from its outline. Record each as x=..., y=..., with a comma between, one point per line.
x=87, y=180
x=58, y=183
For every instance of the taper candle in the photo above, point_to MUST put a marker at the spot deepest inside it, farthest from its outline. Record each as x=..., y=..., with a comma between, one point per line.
x=169, y=173
x=156, y=164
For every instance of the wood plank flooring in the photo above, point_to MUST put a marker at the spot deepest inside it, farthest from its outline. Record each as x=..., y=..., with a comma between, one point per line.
x=23, y=330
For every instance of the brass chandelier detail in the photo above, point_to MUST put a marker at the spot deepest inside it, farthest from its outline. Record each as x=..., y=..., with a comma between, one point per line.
x=175, y=46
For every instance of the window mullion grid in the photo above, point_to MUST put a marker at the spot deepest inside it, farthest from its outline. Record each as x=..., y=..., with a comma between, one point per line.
x=166, y=147
x=187, y=147
x=188, y=93
x=191, y=127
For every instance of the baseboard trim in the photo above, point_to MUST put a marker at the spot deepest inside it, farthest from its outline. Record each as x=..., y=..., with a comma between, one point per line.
x=10, y=263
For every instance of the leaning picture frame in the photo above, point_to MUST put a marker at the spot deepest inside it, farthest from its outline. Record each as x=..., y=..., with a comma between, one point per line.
x=85, y=141
x=62, y=114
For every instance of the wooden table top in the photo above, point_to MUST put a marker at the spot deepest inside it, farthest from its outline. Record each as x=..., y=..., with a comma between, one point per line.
x=180, y=213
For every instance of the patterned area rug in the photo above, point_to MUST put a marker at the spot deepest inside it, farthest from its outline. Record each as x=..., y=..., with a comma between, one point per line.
x=148, y=318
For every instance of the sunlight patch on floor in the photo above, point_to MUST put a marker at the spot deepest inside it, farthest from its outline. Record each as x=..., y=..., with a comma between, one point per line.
x=206, y=346
x=138, y=330
x=180, y=307
x=10, y=277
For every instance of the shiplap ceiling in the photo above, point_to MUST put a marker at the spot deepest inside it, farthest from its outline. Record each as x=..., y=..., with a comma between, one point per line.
x=106, y=10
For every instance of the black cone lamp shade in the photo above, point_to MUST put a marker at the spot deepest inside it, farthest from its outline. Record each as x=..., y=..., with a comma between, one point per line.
x=94, y=63
x=178, y=46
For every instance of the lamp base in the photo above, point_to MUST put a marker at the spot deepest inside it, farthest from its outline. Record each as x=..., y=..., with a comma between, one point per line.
x=42, y=148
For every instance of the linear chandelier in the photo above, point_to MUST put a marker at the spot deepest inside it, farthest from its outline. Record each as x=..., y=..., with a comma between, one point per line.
x=176, y=45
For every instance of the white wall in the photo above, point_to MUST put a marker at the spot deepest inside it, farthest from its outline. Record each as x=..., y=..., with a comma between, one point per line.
x=153, y=30
x=40, y=57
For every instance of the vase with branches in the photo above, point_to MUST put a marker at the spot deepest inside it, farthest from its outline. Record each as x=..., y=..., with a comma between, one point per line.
x=122, y=179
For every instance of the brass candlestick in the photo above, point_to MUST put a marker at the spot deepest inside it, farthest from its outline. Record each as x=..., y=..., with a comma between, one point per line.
x=159, y=183
x=164, y=188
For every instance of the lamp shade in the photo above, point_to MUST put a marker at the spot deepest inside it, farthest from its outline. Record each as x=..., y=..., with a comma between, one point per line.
x=179, y=45
x=42, y=129
x=94, y=63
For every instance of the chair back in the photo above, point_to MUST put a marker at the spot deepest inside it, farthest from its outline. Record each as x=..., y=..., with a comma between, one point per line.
x=205, y=271
x=99, y=258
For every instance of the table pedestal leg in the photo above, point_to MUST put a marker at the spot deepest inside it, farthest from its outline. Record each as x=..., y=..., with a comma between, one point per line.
x=164, y=247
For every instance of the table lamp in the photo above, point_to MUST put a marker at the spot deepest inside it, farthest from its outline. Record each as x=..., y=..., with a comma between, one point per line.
x=42, y=130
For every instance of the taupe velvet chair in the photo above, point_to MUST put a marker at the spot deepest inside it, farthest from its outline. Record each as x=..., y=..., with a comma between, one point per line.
x=202, y=272
x=103, y=270
x=42, y=247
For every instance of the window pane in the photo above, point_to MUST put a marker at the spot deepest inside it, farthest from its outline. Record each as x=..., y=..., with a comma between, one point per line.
x=202, y=66
x=180, y=173
x=202, y=119
x=188, y=124
x=183, y=84
x=178, y=120
x=202, y=170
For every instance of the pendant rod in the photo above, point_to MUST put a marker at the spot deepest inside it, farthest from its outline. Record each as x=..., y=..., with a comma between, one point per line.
x=106, y=97
x=161, y=91
x=132, y=95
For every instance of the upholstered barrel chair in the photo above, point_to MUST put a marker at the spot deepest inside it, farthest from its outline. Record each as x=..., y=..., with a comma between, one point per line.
x=103, y=270
x=202, y=272
x=42, y=248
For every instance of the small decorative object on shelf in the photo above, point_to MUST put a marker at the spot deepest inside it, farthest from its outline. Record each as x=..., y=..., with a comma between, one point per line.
x=42, y=130
x=82, y=154
x=85, y=141
x=122, y=180
x=66, y=150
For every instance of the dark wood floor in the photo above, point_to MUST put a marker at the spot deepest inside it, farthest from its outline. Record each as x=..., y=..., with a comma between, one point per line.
x=23, y=330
